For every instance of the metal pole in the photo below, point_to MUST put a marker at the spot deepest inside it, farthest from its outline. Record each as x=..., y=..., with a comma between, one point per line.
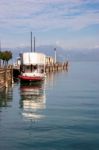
x=31, y=41
x=34, y=43
x=0, y=46
x=55, y=54
x=0, y=51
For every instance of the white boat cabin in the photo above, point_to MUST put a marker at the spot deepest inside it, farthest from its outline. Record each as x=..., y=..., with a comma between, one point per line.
x=32, y=62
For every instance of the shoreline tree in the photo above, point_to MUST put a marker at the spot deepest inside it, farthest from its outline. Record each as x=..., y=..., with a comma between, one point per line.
x=5, y=56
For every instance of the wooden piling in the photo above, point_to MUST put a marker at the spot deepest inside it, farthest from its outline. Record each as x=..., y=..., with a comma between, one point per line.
x=6, y=77
x=56, y=67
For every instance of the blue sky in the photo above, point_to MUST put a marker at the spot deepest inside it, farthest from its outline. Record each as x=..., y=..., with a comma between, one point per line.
x=66, y=23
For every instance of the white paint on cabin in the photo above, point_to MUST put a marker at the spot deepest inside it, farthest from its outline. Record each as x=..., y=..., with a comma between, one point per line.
x=33, y=58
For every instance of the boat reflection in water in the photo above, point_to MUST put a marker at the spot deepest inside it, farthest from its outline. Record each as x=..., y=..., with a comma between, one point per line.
x=33, y=101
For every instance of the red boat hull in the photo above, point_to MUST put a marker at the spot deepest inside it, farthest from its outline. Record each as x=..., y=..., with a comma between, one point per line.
x=28, y=78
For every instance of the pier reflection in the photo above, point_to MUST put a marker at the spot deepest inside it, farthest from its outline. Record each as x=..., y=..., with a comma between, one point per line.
x=33, y=101
x=6, y=96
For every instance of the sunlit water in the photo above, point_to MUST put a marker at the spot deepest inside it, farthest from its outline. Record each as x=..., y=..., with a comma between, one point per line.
x=62, y=114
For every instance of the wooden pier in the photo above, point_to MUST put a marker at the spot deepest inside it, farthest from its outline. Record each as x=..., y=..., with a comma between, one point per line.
x=56, y=67
x=6, y=76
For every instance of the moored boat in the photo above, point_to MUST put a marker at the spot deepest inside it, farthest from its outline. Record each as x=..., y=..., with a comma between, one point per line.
x=32, y=67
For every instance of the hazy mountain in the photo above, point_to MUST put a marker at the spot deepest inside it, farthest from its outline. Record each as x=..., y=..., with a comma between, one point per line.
x=72, y=55
x=62, y=54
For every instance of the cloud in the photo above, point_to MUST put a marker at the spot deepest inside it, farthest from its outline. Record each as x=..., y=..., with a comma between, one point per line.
x=47, y=14
x=19, y=17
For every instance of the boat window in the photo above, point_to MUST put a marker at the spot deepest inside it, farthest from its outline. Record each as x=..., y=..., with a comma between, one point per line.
x=27, y=68
x=35, y=67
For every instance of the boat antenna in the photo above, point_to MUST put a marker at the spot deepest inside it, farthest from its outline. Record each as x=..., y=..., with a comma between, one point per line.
x=31, y=41
x=34, y=43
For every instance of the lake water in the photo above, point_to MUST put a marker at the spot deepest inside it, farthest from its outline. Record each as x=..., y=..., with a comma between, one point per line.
x=62, y=114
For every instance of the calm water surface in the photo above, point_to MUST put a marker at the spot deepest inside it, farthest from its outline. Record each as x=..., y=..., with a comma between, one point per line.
x=62, y=114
